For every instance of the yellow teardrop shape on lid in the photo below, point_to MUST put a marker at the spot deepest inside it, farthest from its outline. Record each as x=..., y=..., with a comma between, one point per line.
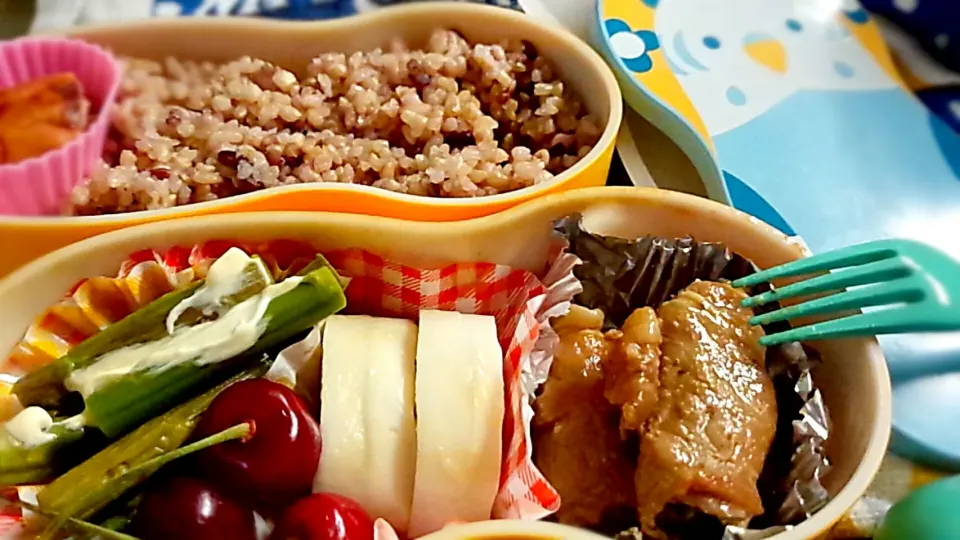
x=769, y=53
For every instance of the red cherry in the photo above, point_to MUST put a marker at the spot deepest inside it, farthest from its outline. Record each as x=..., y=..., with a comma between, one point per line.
x=325, y=516
x=276, y=464
x=189, y=509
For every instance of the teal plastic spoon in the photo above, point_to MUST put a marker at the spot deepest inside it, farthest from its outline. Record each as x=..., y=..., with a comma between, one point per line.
x=929, y=513
x=919, y=285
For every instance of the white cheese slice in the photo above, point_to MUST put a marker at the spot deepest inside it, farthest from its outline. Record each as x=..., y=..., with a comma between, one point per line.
x=459, y=420
x=366, y=414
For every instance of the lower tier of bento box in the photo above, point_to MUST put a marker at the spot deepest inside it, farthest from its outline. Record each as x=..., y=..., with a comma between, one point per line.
x=396, y=276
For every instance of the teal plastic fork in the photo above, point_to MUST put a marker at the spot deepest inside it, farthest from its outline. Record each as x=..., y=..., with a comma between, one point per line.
x=919, y=285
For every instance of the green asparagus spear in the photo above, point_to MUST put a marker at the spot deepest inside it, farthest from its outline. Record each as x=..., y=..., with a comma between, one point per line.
x=22, y=465
x=45, y=387
x=132, y=399
x=89, y=487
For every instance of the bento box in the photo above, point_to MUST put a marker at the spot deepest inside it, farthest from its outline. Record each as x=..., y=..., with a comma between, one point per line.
x=545, y=362
x=410, y=121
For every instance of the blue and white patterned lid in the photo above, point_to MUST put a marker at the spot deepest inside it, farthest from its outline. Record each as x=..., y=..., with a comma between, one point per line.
x=795, y=112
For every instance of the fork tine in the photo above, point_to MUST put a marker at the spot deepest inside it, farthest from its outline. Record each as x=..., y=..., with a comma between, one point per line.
x=884, y=270
x=871, y=295
x=848, y=256
x=864, y=324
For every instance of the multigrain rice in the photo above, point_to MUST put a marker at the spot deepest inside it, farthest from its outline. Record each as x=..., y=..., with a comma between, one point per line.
x=451, y=120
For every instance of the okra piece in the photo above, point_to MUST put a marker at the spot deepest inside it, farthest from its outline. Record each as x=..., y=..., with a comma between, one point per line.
x=91, y=486
x=317, y=263
x=142, y=396
x=136, y=397
x=20, y=464
x=45, y=387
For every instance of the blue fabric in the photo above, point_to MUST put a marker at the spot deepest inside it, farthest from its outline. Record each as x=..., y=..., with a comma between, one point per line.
x=283, y=9
x=935, y=24
x=290, y=9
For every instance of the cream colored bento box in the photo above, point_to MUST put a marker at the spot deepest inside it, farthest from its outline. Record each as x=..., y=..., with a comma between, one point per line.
x=853, y=376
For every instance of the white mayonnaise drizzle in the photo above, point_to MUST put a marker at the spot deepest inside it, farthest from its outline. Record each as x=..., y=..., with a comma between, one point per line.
x=224, y=279
x=29, y=427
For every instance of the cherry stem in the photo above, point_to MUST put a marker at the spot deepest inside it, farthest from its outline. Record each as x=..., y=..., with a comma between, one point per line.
x=79, y=524
x=238, y=432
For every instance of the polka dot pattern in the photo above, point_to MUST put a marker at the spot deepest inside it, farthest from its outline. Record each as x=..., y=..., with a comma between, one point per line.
x=736, y=96
x=955, y=108
x=906, y=6
x=933, y=24
x=843, y=69
x=858, y=16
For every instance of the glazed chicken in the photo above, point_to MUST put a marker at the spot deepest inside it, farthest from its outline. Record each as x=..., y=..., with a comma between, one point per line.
x=577, y=442
x=632, y=370
x=716, y=412
x=41, y=115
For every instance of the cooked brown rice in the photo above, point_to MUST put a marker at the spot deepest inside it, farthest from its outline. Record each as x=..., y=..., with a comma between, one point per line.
x=453, y=120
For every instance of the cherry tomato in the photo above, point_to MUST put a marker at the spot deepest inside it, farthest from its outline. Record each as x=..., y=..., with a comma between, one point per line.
x=324, y=516
x=189, y=509
x=276, y=464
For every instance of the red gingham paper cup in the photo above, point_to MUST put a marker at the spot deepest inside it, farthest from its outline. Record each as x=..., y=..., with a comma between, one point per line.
x=518, y=300
x=39, y=185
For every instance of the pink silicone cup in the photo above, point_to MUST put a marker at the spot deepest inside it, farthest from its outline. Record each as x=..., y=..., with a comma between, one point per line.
x=40, y=185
